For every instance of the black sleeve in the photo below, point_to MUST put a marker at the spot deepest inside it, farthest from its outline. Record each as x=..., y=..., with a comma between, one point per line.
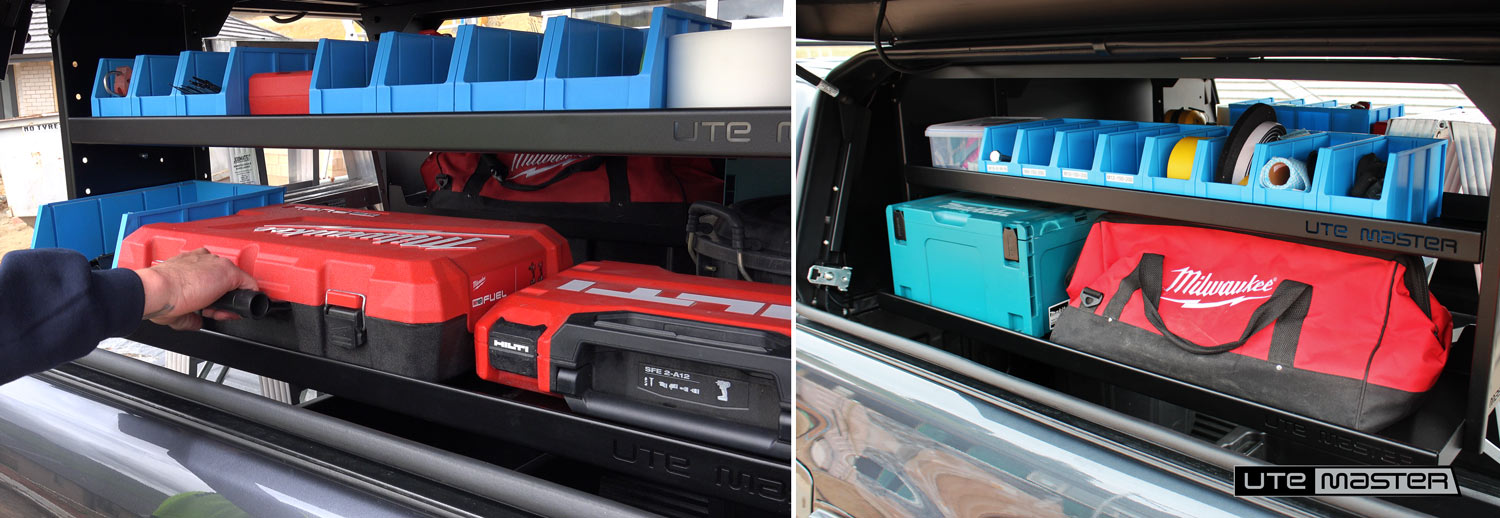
x=55, y=309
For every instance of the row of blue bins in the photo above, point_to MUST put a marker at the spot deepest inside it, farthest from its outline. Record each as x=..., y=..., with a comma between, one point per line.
x=1135, y=155
x=96, y=225
x=574, y=65
x=1320, y=116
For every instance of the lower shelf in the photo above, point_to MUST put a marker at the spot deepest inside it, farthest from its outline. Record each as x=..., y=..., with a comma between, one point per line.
x=1430, y=436
x=512, y=415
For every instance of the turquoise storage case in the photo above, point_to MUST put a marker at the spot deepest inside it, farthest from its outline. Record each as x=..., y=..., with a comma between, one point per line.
x=998, y=260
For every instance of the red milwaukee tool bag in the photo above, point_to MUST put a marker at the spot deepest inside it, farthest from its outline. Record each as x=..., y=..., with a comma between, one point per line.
x=1348, y=337
x=531, y=177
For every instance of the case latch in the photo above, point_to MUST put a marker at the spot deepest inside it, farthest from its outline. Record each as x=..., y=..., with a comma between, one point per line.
x=830, y=276
x=343, y=326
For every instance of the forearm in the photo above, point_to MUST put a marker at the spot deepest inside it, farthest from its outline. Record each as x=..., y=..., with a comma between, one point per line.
x=54, y=308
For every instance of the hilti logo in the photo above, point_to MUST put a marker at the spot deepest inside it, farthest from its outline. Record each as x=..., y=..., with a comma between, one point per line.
x=423, y=239
x=520, y=348
x=737, y=306
x=1195, y=283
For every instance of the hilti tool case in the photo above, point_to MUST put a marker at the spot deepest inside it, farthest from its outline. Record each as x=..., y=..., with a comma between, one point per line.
x=393, y=292
x=693, y=356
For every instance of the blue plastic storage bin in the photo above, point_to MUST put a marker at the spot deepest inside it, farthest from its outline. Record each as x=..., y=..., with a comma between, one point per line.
x=496, y=70
x=96, y=225
x=1206, y=165
x=341, y=78
x=1118, y=155
x=596, y=66
x=1001, y=144
x=1413, y=189
x=102, y=98
x=1297, y=148
x=1035, y=148
x=151, y=81
x=232, y=71
x=1073, y=154
x=1000, y=261
x=1322, y=116
x=1156, y=154
x=411, y=73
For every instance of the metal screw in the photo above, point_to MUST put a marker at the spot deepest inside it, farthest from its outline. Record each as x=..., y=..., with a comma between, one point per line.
x=835, y=188
x=1278, y=367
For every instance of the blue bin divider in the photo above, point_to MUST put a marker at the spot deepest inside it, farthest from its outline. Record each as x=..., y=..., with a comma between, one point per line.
x=207, y=65
x=234, y=78
x=103, y=99
x=1206, y=164
x=411, y=73
x=1157, y=151
x=1117, y=156
x=496, y=70
x=342, y=77
x=1073, y=155
x=1298, y=148
x=1034, y=148
x=96, y=225
x=1321, y=116
x=151, y=80
x=998, y=148
x=592, y=65
x=1413, y=187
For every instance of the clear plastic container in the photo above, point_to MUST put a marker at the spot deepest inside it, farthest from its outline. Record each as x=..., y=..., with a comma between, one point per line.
x=956, y=145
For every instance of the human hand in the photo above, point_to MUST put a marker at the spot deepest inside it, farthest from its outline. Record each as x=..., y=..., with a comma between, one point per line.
x=176, y=289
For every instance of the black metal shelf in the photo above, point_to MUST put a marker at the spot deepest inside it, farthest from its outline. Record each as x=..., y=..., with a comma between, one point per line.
x=1430, y=436
x=737, y=132
x=1442, y=240
x=508, y=415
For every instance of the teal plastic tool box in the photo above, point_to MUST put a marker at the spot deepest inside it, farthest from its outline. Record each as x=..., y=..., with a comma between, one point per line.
x=998, y=260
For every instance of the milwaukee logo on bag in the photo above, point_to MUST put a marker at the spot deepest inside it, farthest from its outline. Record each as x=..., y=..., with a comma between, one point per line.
x=1352, y=338
x=1195, y=283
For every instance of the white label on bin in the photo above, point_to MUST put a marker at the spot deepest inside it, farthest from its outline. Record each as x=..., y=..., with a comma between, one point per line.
x=998, y=168
x=1075, y=174
x=1054, y=312
x=1032, y=171
x=1119, y=178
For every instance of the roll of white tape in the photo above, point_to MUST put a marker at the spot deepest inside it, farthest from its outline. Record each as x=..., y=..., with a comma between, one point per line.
x=734, y=68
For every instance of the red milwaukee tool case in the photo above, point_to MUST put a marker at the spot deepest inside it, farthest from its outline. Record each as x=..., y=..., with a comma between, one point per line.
x=695, y=356
x=393, y=292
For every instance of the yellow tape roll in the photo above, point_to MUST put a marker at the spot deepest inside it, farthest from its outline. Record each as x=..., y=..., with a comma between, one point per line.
x=1184, y=116
x=1180, y=162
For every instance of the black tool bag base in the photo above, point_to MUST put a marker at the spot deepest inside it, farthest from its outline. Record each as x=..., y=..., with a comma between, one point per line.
x=1303, y=392
x=428, y=352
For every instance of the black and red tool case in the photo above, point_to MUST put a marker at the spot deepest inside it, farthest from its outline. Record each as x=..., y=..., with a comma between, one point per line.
x=693, y=356
x=394, y=292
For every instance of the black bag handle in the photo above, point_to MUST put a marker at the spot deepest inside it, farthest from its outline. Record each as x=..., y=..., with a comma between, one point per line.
x=726, y=217
x=1287, y=307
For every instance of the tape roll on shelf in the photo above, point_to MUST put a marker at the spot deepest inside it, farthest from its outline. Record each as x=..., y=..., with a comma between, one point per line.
x=1281, y=173
x=734, y=68
x=1180, y=162
x=1256, y=126
x=1184, y=116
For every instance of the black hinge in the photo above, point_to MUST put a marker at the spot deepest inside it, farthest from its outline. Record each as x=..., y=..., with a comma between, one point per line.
x=343, y=327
